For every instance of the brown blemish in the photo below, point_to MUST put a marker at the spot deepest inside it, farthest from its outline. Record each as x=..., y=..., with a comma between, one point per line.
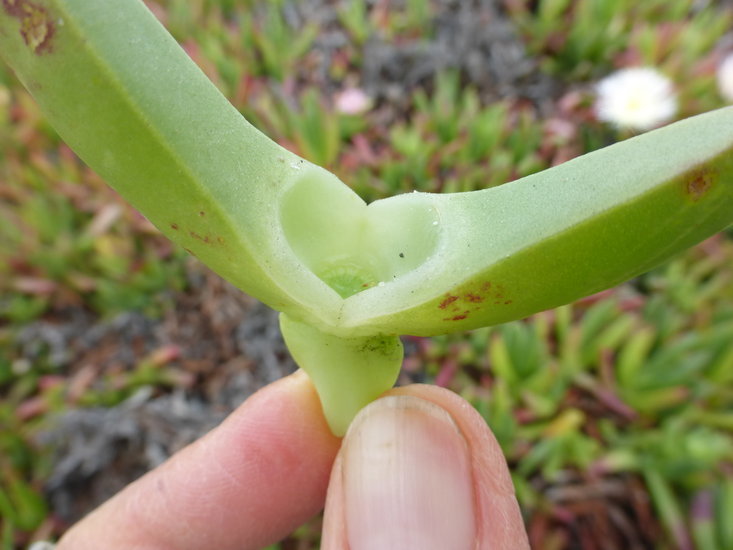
x=202, y=213
x=203, y=238
x=473, y=299
x=449, y=299
x=699, y=183
x=36, y=26
x=208, y=239
x=459, y=317
x=174, y=226
x=190, y=252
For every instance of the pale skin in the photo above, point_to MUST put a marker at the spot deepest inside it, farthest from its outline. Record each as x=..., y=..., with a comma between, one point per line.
x=274, y=463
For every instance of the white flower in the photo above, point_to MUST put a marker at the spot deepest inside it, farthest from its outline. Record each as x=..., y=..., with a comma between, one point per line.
x=636, y=98
x=725, y=78
x=352, y=101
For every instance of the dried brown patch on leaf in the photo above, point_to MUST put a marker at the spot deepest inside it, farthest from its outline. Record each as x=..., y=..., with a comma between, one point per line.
x=699, y=182
x=36, y=25
x=464, y=302
x=203, y=238
x=459, y=317
x=448, y=300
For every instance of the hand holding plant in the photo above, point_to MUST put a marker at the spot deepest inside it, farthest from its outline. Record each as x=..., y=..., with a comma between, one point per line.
x=350, y=278
x=417, y=469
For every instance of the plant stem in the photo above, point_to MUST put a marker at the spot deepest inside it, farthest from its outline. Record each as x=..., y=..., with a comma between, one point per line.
x=348, y=373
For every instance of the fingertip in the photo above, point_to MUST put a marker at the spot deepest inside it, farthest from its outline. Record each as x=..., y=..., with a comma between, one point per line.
x=498, y=522
x=498, y=516
x=490, y=461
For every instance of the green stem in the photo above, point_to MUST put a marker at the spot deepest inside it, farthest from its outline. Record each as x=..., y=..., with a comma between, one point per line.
x=348, y=373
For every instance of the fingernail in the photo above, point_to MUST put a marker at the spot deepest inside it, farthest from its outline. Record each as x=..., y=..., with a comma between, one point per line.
x=407, y=478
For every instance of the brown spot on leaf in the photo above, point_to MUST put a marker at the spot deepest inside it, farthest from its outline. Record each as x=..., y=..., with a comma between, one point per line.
x=208, y=239
x=473, y=298
x=202, y=238
x=459, y=317
x=449, y=299
x=202, y=213
x=174, y=226
x=36, y=25
x=699, y=183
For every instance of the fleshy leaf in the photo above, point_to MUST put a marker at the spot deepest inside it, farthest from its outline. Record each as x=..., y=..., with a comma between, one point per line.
x=349, y=277
x=137, y=109
x=556, y=236
x=132, y=104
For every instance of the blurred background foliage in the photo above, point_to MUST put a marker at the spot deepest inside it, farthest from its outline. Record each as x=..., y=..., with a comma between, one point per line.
x=615, y=412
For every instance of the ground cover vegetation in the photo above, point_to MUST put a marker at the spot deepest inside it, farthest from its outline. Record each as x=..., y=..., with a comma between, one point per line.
x=117, y=348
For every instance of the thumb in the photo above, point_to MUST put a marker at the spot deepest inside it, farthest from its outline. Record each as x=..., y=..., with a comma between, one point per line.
x=419, y=469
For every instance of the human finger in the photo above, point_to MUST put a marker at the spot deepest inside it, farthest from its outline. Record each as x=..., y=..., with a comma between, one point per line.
x=419, y=468
x=249, y=482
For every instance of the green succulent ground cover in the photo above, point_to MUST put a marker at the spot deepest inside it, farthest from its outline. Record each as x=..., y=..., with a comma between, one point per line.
x=615, y=413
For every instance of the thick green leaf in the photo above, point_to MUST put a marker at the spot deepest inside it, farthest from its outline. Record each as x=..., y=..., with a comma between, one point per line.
x=348, y=275
x=553, y=237
x=132, y=104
